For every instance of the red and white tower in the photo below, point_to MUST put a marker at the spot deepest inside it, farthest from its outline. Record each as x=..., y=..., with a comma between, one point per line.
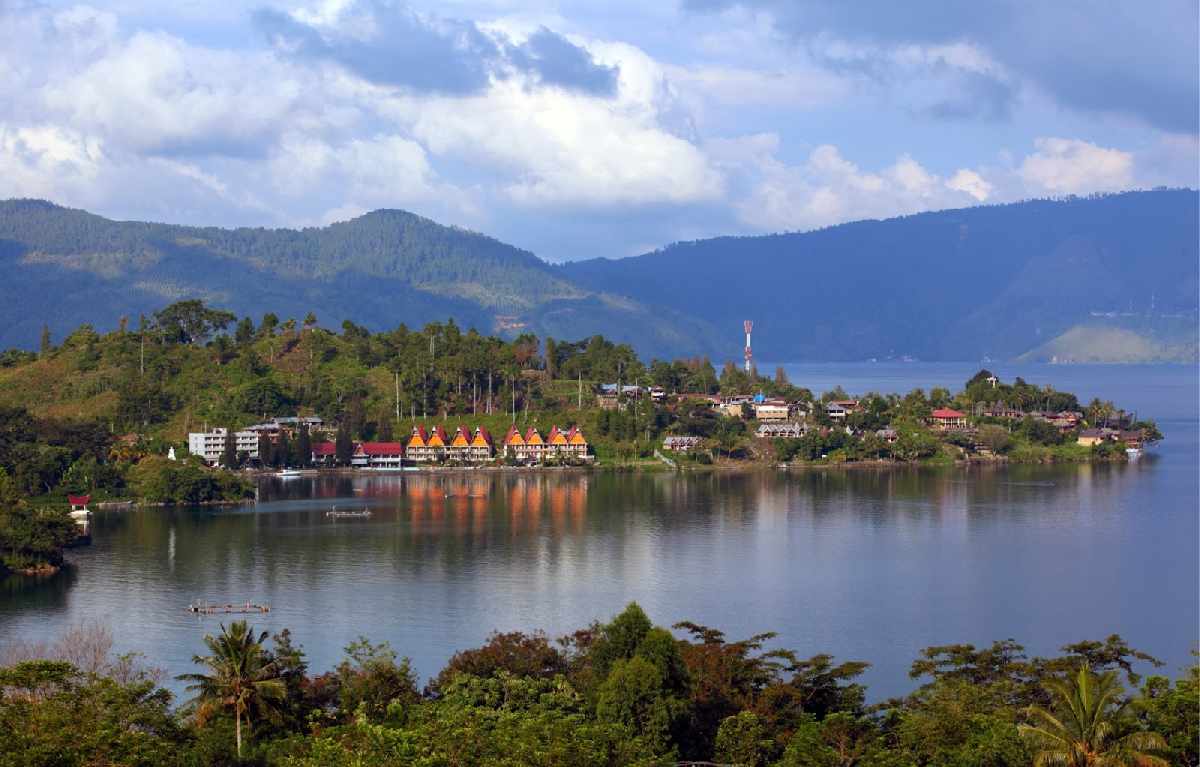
x=748, y=325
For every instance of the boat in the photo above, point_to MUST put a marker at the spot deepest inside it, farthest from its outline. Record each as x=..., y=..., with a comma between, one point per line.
x=288, y=473
x=1133, y=453
x=337, y=514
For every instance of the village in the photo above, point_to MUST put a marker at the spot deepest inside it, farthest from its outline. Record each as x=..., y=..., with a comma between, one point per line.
x=762, y=421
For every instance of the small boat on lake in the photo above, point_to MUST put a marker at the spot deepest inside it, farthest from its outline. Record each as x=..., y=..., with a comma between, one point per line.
x=336, y=513
x=207, y=608
x=288, y=473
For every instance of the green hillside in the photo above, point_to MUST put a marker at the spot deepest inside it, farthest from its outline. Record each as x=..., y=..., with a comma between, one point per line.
x=67, y=267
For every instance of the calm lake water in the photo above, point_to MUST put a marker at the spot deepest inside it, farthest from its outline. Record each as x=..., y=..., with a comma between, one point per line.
x=864, y=564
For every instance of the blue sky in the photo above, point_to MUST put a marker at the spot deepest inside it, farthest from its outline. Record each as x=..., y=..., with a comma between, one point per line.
x=580, y=129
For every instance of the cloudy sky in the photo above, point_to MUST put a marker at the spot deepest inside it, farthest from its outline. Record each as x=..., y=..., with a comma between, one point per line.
x=580, y=129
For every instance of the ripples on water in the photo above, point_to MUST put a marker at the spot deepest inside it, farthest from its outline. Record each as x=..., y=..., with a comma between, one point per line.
x=867, y=564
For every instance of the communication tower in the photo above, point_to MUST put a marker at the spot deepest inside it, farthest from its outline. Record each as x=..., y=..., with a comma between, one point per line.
x=748, y=325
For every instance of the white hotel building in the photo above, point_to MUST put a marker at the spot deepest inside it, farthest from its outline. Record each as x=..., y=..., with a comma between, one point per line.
x=210, y=444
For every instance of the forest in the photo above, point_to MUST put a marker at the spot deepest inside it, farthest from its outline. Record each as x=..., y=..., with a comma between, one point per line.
x=621, y=692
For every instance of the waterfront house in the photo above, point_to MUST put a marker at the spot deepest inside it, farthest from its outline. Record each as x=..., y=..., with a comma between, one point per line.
x=1092, y=437
x=378, y=455
x=535, y=446
x=946, y=419
x=482, y=448
x=426, y=447
x=514, y=444
x=209, y=445
x=459, y=448
x=324, y=453
x=680, y=443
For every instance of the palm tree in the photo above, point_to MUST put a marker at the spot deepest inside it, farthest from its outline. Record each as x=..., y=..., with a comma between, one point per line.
x=1084, y=731
x=242, y=676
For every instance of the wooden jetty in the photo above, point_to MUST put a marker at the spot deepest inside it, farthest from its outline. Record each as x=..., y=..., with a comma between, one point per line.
x=205, y=608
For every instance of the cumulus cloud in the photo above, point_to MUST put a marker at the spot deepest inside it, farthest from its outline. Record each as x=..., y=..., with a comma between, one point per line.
x=391, y=44
x=1072, y=166
x=827, y=188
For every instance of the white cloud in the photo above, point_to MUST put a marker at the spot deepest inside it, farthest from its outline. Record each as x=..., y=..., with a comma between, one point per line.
x=1073, y=166
x=828, y=189
x=965, y=180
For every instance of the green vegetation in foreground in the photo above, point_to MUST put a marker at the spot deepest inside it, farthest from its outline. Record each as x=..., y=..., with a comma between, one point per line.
x=619, y=693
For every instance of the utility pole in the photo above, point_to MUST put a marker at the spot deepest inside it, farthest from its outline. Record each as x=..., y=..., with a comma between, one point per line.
x=397, y=395
x=580, y=404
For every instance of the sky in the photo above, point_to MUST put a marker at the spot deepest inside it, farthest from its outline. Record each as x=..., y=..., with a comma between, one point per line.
x=582, y=129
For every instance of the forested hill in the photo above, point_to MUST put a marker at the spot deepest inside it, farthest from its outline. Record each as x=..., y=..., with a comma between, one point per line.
x=66, y=267
x=1109, y=278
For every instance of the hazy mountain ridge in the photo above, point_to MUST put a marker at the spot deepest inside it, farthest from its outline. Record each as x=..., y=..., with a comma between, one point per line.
x=958, y=284
x=999, y=281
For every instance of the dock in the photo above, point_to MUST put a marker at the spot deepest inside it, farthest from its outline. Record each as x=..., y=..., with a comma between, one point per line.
x=204, y=608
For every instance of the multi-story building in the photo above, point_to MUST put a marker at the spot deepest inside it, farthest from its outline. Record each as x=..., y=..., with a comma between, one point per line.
x=209, y=445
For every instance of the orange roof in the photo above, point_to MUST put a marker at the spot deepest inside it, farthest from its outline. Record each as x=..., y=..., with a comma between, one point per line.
x=461, y=438
x=438, y=438
x=482, y=438
x=947, y=413
x=419, y=437
x=575, y=436
x=556, y=437
x=513, y=437
x=532, y=437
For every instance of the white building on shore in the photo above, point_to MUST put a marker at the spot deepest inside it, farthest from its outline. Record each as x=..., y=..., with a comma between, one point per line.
x=209, y=445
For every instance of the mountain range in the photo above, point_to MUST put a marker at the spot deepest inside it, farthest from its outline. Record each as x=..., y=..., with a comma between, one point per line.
x=1103, y=278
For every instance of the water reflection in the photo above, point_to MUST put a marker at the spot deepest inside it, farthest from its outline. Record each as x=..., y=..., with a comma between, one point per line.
x=870, y=563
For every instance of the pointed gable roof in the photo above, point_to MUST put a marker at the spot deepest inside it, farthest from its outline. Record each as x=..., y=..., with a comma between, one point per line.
x=514, y=436
x=532, y=437
x=462, y=437
x=556, y=437
x=481, y=438
x=438, y=438
x=575, y=436
x=419, y=437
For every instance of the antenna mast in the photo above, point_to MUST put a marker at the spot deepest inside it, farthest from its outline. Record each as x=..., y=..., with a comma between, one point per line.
x=748, y=325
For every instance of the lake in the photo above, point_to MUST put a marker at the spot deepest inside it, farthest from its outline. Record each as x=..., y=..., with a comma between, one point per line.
x=865, y=564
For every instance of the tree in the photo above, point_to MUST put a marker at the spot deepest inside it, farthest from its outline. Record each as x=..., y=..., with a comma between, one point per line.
x=1086, y=729
x=190, y=322
x=229, y=456
x=303, y=447
x=741, y=740
x=343, y=448
x=44, y=345
x=241, y=677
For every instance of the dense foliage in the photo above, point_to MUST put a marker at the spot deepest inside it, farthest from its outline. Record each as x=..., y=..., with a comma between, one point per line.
x=618, y=693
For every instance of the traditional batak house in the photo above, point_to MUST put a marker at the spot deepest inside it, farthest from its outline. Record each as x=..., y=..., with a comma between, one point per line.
x=514, y=445
x=577, y=446
x=947, y=419
x=426, y=447
x=459, y=448
x=481, y=445
x=535, y=446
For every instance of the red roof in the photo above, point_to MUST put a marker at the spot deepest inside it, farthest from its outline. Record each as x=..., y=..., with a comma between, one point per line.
x=946, y=412
x=382, y=448
x=324, y=448
x=78, y=500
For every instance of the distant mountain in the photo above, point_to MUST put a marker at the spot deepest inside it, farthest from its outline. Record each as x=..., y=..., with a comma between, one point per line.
x=65, y=267
x=999, y=281
x=1044, y=279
